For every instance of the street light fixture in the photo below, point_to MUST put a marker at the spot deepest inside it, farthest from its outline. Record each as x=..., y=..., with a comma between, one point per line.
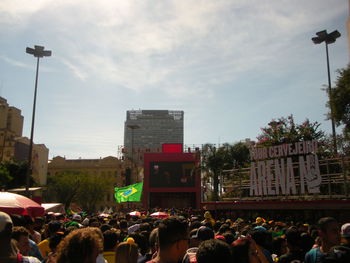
x=37, y=52
x=330, y=38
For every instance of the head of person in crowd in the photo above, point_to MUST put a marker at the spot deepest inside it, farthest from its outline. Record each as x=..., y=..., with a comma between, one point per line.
x=244, y=251
x=329, y=232
x=173, y=239
x=39, y=223
x=54, y=241
x=345, y=234
x=8, y=249
x=306, y=242
x=153, y=241
x=105, y=227
x=21, y=235
x=110, y=240
x=208, y=219
x=123, y=225
x=81, y=245
x=212, y=251
x=279, y=246
x=195, y=225
x=127, y=252
x=262, y=237
x=259, y=221
x=140, y=241
x=229, y=237
x=53, y=227
x=223, y=229
x=204, y=233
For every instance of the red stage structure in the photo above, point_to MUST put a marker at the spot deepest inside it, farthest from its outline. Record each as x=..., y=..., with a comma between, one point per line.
x=171, y=179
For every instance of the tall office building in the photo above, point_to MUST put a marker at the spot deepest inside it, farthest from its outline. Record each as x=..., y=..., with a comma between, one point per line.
x=148, y=130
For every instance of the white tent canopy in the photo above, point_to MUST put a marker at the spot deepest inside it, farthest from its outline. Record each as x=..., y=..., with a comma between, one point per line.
x=53, y=207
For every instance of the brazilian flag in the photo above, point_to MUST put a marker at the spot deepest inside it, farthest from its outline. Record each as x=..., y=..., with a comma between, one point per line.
x=130, y=193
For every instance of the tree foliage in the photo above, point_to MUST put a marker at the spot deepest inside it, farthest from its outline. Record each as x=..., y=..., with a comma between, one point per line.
x=340, y=99
x=216, y=159
x=71, y=186
x=284, y=130
x=13, y=174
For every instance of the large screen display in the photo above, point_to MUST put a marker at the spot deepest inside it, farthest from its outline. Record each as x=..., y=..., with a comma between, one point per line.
x=172, y=174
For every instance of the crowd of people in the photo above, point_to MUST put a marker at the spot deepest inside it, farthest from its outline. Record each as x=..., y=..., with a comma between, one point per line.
x=181, y=237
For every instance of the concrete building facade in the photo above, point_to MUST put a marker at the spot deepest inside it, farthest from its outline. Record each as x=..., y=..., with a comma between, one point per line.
x=108, y=166
x=11, y=126
x=148, y=130
x=40, y=158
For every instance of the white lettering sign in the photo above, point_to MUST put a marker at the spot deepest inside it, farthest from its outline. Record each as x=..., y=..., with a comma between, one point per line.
x=275, y=177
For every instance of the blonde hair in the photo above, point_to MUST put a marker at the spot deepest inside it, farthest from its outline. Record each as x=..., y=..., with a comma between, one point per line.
x=126, y=252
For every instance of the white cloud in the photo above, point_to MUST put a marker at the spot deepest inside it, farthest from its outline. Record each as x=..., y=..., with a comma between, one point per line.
x=16, y=63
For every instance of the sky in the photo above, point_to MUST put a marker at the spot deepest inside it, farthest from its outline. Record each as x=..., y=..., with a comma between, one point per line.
x=231, y=65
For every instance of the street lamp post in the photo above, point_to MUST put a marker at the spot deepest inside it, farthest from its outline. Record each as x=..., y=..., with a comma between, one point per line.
x=132, y=128
x=330, y=38
x=37, y=52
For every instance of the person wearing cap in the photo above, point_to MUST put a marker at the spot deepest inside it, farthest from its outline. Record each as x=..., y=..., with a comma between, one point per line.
x=345, y=234
x=204, y=233
x=208, y=218
x=259, y=221
x=52, y=228
x=294, y=250
x=8, y=249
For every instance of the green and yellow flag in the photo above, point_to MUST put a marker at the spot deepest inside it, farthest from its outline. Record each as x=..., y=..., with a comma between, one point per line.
x=130, y=193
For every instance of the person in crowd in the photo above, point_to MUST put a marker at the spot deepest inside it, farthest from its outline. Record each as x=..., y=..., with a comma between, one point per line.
x=29, y=225
x=245, y=250
x=213, y=251
x=52, y=228
x=278, y=247
x=21, y=235
x=337, y=254
x=263, y=240
x=81, y=245
x=53, y=244
x=208, y=219
x=153, y=247
x=127, y=252
x=204, y=233
x=9, y=252
x=110, y=242
x=295, y=252
x=173, y=240
x=345, y=234
x=329, y=233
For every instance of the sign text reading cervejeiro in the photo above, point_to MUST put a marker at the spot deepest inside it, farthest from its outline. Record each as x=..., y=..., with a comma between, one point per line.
x=272, y=171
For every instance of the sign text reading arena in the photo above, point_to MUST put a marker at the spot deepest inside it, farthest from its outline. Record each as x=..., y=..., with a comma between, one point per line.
x=272, y=171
